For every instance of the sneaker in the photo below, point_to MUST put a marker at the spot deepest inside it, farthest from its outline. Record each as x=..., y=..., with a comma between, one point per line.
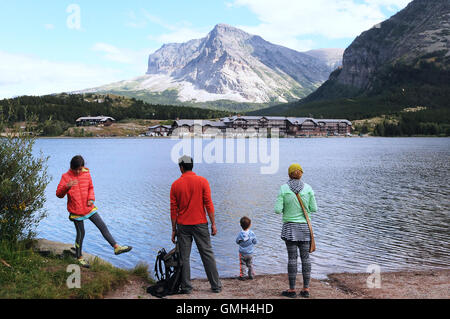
x=83, y=263
x=304, y=294
x=185, y=292
x=122, y=249
x=242, y=278
x=290, y=294
x=216, y=290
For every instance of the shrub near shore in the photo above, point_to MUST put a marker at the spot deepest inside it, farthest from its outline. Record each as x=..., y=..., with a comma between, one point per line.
x=23, y=180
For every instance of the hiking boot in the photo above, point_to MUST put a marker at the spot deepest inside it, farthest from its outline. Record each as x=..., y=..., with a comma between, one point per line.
x=290, y=294
x=83, y=263
x=122, y=249
x=185, y=292
x=304, y=294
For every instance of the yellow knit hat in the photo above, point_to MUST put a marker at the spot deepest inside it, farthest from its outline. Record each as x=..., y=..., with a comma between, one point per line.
x=295, y=167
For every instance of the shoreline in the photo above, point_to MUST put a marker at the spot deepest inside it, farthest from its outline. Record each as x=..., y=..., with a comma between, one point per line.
x=421, y=284
x=426, y=284
x=207, y=137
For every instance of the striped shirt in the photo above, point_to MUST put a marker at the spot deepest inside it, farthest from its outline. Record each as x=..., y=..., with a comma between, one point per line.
x=295, y=232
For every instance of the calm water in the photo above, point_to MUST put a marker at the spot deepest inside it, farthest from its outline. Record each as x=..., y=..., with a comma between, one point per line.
x=381, y=201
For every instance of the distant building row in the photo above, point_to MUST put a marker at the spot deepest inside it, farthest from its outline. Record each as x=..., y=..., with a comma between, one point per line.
x=286, y=126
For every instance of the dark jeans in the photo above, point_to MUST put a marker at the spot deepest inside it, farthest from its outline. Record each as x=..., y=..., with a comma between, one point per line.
x=200, y=233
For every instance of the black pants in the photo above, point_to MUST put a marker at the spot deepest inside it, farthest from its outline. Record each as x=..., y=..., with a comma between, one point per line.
x=79, y=226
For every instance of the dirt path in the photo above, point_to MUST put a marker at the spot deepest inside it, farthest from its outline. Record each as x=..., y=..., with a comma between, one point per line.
x=429, y=284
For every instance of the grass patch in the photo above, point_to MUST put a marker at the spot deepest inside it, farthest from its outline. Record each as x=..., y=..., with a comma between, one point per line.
x=26, y=274
x=141, y=271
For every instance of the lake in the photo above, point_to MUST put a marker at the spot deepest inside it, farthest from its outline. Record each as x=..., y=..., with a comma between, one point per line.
x=382, y=201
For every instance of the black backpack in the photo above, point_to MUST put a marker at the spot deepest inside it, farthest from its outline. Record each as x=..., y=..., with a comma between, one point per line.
x=168, y=272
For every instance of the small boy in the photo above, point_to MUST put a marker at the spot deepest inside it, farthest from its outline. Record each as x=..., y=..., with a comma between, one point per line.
x=246, y=241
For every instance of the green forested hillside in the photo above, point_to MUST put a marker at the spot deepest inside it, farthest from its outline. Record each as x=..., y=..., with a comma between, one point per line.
x=58, y=112
x=68, y=108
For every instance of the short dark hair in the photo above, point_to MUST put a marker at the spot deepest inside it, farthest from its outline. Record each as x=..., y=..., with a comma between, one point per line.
x=186, y=162
x=77, y=162
x=245, y=222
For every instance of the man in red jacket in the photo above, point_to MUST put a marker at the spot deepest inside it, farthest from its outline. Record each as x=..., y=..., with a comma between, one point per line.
x=189, y=196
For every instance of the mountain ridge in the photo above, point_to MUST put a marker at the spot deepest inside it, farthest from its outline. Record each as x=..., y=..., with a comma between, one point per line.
x=401, y=62
x=227, y=64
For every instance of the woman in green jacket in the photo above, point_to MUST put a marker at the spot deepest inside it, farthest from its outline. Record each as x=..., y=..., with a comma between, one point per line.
x=295, y=231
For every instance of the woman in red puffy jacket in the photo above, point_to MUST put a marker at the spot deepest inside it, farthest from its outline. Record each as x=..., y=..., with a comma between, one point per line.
x=77, y=184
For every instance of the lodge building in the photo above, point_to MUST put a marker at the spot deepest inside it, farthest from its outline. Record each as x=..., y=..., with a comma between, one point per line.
x=254, y=125
x=159, y=130
x=95, y=120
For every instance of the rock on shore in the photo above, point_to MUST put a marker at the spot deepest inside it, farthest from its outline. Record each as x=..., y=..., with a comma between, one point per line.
x=47, y=247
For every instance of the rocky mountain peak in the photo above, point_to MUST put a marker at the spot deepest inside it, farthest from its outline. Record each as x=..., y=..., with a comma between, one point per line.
x=222, y=28
x=229, y=64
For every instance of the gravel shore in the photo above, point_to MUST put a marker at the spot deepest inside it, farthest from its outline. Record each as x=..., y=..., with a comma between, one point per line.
x=394, y=285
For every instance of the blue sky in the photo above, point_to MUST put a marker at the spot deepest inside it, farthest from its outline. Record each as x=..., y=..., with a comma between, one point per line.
x=53, y=46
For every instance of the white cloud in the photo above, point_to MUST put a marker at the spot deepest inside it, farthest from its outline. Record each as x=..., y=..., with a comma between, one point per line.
x=134, y=21
x=112, y=53
x=182, y=31
x=156, y=20
x=180, y=35
x=49, y=26
x=287, y=39
x=285, y=21
x=134, y=59
x=25, y=74
x=115, y=54
x=228, y=4
x=399, y=4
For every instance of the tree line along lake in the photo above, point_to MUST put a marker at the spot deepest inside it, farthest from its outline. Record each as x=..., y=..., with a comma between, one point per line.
x=382, y=201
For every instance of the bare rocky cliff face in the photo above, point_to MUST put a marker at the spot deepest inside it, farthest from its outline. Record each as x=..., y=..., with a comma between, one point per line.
x=403, y=61
x=423, y=27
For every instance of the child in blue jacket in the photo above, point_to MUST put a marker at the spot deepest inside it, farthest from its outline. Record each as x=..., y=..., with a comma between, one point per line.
x=246, y=241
